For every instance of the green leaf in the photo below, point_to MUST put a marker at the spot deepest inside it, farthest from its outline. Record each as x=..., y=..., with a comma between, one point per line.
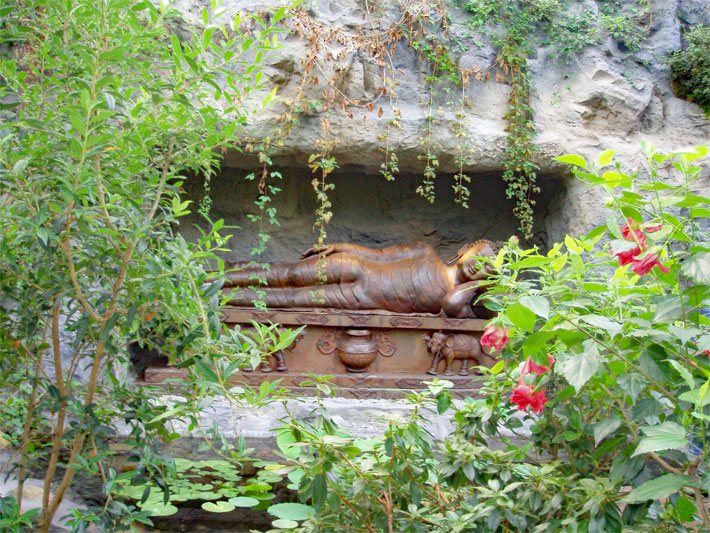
x=658, y=488
x=684, y=373
x=695, y=397
x=668, y=309
x=292, y=511
x=521, y=316
x=156, y=508
x=218, y=507
x=604, y=428
x=605, y=157
x=666, y=436
x=572, y=159
x=443, y=402
x=612, y=327
x=537, y=304
x=616, y=179
x=284, y=524
x=243, y=501
x=496, y=369
x=697, y=268
x=685, y=508
x=535, y=342
x=285, y=440
x=579, y=369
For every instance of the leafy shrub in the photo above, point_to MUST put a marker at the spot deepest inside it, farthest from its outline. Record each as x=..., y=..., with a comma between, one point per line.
x=691, y=68
x=605, y=344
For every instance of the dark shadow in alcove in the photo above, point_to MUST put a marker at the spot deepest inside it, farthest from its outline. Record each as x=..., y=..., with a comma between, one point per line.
x=367, y=210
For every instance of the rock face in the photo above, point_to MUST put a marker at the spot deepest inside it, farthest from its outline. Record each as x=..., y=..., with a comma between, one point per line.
x=605, y=98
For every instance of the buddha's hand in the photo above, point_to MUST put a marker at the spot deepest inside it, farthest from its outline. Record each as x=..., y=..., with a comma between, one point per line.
x=324, y=250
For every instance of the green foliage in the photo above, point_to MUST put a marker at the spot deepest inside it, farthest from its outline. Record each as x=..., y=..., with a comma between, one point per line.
x=11, y=519
x=617, y=352
x=107, y=107
x=518, y=28
x=405, y=481
x=691, y=67
x=217, y=483
x=628, y=392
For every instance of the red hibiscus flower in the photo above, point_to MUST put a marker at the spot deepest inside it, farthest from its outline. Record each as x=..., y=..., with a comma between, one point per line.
x=644, y=265
x=627, y=256
x=632, y=233
x=494, y=338
x=531, y=367
x=538, y=401
x=524, y=396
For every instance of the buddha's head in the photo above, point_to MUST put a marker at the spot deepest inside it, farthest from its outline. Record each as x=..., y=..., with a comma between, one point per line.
x=468, y=259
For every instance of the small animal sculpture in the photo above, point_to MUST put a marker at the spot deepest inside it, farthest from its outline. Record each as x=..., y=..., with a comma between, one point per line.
x=449, y=347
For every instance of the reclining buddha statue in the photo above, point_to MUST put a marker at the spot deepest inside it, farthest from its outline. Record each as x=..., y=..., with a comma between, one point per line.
x=405, y=278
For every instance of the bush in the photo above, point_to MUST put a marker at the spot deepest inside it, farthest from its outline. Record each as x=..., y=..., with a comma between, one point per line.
x=690, y=68
x=605, y=346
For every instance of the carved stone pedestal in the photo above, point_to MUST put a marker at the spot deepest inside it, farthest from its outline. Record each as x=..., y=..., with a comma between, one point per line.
x=369, y=355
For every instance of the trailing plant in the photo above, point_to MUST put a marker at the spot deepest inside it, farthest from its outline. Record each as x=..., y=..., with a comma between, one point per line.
x=690, y=68
x=426, y=189
x=107, y=107
x=463, y=148
x=517, y=28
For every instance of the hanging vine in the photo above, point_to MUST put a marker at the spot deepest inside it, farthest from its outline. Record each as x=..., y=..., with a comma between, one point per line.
x=514, y=27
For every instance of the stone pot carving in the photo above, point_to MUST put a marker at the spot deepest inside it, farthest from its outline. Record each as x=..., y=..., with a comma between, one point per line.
x=357, y=349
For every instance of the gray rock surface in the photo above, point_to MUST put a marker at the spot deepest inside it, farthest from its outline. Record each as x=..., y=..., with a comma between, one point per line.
x=602, y=99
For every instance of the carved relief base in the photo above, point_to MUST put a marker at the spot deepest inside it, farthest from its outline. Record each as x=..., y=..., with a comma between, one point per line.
x=370, y=355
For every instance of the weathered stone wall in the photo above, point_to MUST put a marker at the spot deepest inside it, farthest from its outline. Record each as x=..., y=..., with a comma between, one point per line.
x=603, y=99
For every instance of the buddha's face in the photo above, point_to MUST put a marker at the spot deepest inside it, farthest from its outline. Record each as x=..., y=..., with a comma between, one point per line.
x=470, y=263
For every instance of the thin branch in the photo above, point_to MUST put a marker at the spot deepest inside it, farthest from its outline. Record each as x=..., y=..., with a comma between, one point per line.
x=46, y=517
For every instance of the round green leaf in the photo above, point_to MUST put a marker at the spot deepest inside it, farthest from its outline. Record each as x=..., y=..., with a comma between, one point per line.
x=284, y=524
x=206, y=495
x=159, y=508
x=243, y=501
x=291, y=511
x=218, y=507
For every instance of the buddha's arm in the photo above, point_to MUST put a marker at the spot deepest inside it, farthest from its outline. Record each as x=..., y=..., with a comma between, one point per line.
x=382, y=255
x=457, y=302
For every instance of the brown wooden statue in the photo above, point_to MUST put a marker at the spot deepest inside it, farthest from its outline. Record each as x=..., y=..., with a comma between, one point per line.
x=407, y=278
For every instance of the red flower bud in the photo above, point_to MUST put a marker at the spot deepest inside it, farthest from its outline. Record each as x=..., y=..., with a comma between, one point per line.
x=531, y=367
x=494, y=338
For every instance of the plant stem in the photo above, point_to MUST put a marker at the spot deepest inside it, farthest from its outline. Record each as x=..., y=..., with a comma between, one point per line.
x=46, y=516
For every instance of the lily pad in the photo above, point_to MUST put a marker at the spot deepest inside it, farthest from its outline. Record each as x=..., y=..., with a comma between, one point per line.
x=292, y=511
x=218, y=507
x=243, y=501
x=229, y=492
x=256, y=487
x=206, y=495
x=159, y=508
x=284, y=524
